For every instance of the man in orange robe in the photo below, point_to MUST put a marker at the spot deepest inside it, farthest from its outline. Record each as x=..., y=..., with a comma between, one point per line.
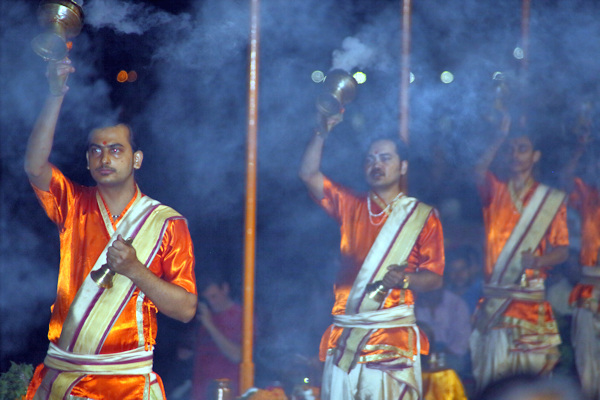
x=585, y=296
x=387, y=361
x=117, y=360
x=523, y=336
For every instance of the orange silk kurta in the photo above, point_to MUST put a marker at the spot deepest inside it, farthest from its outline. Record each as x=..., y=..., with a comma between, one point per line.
x=83, y=236
x=500, y=218
x=357, y=236
x=586, y=200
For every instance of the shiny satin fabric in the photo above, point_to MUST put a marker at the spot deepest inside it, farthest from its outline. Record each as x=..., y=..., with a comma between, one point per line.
x=586, y=200
x=443, y=384
x=500, y=218
x=357, y=236
x=83, y=236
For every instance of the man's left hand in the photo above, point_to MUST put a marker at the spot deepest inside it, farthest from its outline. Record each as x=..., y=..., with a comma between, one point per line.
x=394, y=277
x=528, y=260
x=121, y=257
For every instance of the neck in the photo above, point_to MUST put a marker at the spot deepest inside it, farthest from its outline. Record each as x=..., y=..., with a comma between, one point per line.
x=387, y=195
x=118, y=197
x=520, y=179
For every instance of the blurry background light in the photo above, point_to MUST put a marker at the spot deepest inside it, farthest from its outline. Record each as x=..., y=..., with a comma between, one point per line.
x=317, y=76
x=447, y=77
x=360, y=77
x=518, y=53
x=122, y=76
x=132, y=76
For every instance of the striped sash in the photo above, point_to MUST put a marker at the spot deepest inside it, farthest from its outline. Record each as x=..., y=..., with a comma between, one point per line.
x=94, y=309
x=527, y=235
x=392, y=246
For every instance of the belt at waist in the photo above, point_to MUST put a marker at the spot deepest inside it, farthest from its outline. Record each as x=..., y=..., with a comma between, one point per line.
x=132, y=362
x=534, y=293
x=402, y=315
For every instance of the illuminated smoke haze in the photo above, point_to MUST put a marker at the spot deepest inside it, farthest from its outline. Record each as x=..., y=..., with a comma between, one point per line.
x=189, y=108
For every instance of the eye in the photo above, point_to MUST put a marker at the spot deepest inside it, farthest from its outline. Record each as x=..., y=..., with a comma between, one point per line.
x=94, y=151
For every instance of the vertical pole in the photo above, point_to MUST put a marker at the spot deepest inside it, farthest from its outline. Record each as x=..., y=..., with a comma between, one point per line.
x=525, y=19
x=247, y=365
x=405, y=70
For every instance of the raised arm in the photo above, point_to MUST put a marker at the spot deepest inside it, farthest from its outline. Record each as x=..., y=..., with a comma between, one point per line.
x=310, y=167
x=484, y=162
x=37, y=165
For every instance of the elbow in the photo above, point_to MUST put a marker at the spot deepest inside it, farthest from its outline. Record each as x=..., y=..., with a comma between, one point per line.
x=304, y=175
x=188, y=312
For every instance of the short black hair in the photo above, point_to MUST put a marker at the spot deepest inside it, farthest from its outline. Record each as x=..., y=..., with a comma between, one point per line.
x=529, y=134
x=401, y=147
x=132, y=141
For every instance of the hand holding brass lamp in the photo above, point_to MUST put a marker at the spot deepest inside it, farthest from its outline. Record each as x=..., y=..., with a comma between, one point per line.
x=62, y=19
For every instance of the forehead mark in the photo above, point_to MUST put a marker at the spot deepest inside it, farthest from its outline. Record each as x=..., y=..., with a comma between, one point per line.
x=104, y=142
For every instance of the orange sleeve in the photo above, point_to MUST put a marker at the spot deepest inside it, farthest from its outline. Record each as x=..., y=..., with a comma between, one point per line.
x=336, y=199
x=428, y=252
x=558, y=233
x=57, y=199
x=176, y=264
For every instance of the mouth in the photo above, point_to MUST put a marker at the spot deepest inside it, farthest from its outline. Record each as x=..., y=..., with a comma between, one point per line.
x=376, y=174
x=105, y=171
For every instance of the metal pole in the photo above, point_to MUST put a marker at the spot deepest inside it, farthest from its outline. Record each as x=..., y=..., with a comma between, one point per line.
x=405, y=70
x=525, y=18
x=247, y=365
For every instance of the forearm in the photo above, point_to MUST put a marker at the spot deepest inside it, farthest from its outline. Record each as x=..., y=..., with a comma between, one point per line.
x=39, y=145
x=170, y=299
x=553, y=257
x=310, y=167
x=424, y=280
x=231, y=350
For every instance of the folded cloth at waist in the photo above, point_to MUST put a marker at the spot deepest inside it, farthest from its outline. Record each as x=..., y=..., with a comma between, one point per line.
x=402, y=315
x=132, y=362
x=535, y=291
x=590, y=275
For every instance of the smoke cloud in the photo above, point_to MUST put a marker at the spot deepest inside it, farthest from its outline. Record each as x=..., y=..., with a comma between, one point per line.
x=188, y=107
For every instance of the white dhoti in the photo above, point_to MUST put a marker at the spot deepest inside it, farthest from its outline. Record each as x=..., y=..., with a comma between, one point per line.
x=392, y=379
x=586, y=342
x=363, y=383
x=494, y=356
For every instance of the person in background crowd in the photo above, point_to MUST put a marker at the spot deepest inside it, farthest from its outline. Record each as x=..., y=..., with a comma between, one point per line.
x=448, y=317
x=460, y=262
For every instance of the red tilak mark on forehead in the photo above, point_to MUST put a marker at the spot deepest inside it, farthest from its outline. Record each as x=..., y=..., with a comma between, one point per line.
x=104, y=143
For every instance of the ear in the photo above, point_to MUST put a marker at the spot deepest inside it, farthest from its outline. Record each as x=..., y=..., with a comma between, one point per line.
x=536, y=156
x=87, y=159
x=138, y=157
x=403, y=167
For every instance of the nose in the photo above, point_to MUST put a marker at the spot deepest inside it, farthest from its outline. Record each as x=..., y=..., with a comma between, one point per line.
x=105, y=157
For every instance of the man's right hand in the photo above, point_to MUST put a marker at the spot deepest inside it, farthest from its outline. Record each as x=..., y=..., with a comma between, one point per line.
x=327, y=122
x=57, y=73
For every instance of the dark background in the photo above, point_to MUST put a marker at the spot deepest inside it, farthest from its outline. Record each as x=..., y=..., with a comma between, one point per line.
x=188, y=107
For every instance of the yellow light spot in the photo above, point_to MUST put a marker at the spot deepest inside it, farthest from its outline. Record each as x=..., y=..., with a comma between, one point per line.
x=360, y=77
x=122, y=76
x=132, y=76
x=447, y=77
x=317, y=76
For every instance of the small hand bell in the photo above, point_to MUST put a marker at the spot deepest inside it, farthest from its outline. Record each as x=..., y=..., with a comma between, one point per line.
x=103, y=276
x=377, y=291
